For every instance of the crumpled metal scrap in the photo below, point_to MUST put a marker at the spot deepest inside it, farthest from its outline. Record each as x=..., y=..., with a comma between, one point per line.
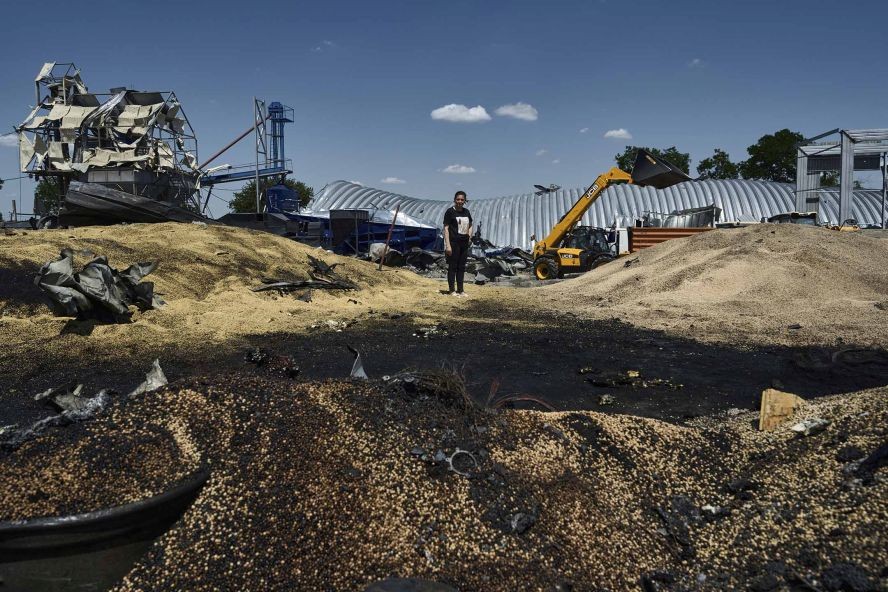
x=73, y=406
x=98, y=290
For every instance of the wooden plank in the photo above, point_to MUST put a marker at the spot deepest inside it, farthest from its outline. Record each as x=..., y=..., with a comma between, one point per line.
x=777, y=407
x=644, y=237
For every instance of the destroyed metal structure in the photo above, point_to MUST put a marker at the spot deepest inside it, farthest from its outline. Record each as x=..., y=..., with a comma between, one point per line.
x=137, y=142
x=509, y=221
x=854, y=150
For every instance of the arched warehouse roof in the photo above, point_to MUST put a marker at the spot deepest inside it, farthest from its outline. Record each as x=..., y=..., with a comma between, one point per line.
x=509, y=221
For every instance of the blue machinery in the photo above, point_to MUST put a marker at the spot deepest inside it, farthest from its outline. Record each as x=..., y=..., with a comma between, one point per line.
x=352, y=231
x=346, y=231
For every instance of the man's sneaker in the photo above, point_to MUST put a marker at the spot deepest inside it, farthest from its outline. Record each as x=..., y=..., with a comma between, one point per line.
x=453, y=294
x=462, y=294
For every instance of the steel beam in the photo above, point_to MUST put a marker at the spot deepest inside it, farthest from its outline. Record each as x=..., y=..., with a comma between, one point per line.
x=846, y=187
x=806, y=184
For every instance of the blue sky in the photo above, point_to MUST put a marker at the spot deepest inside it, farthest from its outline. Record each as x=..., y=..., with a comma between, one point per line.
x=365, y=77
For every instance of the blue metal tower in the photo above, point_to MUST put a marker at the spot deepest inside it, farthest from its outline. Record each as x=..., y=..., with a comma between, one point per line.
x=278, y=115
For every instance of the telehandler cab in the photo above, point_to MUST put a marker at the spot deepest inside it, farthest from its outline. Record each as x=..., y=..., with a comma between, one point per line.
x=569, y=248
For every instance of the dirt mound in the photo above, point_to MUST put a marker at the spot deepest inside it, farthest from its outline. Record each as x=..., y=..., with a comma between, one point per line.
x=779, y=282
x=333, y=485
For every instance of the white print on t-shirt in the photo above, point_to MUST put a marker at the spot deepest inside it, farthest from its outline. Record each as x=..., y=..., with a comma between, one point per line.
x=462, y=224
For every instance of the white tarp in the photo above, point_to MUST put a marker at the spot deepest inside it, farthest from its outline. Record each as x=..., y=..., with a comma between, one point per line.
x=32, y=116
x=58, y=111
x=72, y=121
x=189, y=160
x=57, y=160
x=101, y=157
x=44, y=71
x=170, y=120
x=134, y=119
x=164, y=155
x=39, y=149
x=37, y=122
x=26, y=152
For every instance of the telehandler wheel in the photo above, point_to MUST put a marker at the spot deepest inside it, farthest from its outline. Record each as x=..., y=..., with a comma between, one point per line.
x=546, y=268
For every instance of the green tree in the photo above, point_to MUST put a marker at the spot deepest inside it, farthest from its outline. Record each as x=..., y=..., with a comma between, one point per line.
x=244, y=201
x=48, y=196
x=829, y=179
x=832, y=178
x=626, y=159
x=773, y=157
x=718, y=166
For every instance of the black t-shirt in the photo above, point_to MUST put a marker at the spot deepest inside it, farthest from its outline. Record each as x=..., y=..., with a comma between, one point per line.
x=458, y=223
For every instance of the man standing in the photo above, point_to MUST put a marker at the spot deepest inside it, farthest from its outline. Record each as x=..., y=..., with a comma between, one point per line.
x=457, y=239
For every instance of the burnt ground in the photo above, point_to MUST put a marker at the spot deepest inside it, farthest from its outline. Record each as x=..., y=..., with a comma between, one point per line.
x=556, y=363
x=535, y=353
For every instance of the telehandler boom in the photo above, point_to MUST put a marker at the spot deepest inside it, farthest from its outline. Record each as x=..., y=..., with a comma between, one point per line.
x=571, y=249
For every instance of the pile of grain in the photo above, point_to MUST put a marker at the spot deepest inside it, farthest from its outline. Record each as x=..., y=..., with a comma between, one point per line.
x=196, y=264
x=333, y=485
x=747, y=283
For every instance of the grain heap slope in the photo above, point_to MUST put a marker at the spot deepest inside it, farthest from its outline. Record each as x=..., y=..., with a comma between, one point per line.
x=749, y=283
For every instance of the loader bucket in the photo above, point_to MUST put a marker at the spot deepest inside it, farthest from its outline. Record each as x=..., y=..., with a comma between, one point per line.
x=653, y=171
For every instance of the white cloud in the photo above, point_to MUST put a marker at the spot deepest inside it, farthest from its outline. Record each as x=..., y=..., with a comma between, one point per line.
x=556, y=161
x=583, y=130
x=458, y=169
x=326, y=43
x=519, y=110
x=10, y=141
x=541, y=151
x=618, y=134
x=392, y=181
x=696, y=63
x=461, y=113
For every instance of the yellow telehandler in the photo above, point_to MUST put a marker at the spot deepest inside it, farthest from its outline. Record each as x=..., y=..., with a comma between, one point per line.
x=569, y=248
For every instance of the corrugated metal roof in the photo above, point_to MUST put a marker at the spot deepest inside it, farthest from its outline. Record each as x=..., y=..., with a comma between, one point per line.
x=509, y=221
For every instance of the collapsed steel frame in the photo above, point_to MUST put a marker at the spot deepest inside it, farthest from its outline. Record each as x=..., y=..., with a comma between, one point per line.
x=135, y=141
x=855, y=150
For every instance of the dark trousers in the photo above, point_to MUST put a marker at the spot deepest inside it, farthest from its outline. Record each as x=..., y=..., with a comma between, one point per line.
x=456, y=263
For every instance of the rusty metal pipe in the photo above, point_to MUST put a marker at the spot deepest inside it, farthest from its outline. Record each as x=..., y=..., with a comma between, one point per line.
x=389, y=237
x=230, y=144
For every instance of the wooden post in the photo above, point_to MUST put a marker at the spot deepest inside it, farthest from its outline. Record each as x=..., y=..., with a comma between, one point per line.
x=389, y=237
